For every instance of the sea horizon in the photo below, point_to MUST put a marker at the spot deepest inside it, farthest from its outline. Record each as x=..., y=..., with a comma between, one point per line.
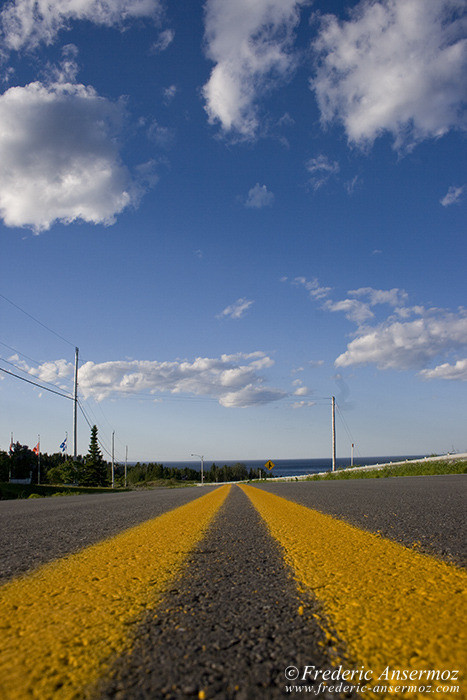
x=287, y=467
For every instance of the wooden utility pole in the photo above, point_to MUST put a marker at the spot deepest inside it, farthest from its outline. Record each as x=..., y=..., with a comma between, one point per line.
x=75, y=409
x=113, y=467
x=333, y=423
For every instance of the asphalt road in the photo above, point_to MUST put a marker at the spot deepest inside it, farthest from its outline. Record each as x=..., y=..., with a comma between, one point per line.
x=230, y=623
x=39, y=530
x=425, y=512
x=229, y=626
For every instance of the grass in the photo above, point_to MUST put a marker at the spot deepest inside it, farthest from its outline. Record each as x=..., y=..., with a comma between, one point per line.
x=408, y=469
x=12, y=491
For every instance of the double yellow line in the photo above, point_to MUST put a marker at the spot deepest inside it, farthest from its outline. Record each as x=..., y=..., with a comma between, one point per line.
x=396, y=610
x=61, y=626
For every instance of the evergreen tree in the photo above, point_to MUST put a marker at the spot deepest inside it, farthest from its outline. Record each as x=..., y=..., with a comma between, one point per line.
x=95, y=469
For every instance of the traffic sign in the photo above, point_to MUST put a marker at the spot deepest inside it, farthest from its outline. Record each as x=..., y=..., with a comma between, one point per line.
x=269, y=465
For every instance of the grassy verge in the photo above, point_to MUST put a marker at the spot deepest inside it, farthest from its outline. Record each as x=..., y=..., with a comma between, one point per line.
x=11, y=491
x=409, y=469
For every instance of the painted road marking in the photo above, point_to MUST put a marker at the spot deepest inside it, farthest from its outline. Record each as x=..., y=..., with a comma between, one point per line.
x=393, y=607
x=61, y=625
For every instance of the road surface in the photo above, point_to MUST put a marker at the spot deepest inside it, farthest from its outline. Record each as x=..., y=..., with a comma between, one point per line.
x=235, y=592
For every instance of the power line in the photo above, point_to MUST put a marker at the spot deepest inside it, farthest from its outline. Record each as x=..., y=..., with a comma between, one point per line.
x=41, y=386
x=20, y=369
x=20, y=353
x=37, y=320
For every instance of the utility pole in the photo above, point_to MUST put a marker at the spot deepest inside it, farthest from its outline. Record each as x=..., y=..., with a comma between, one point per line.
x=75, y=409
x=126, y=462
x=113, y=468
x=201, y=457
x=39, y=460
x=351, y=459
x=333, y=423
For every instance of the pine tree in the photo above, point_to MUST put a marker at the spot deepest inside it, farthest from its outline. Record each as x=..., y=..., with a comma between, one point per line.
x=95, y=469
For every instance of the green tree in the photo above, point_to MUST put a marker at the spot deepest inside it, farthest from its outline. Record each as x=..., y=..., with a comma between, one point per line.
x=23, y=462
x=95, y=468
x=67, y=472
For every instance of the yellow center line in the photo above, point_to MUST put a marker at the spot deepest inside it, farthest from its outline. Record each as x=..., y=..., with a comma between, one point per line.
x=61, y=625
x=393, y=607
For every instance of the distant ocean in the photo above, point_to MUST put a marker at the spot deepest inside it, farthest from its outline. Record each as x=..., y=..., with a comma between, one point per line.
x=294, y=467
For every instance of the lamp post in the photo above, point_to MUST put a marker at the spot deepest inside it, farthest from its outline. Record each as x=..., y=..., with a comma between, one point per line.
x=201, y=457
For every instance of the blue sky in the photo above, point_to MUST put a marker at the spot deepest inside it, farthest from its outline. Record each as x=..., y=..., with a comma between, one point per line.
x=235, y=209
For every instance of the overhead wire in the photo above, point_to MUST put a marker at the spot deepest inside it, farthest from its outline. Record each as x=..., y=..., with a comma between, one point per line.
x=29, y=381
x=36, y=320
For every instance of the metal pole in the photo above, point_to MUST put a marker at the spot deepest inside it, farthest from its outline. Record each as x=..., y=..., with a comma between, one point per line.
x=113, y=468
x=75, y=409
x=39, y=461
x=333, y=420
x=126, y=462
x=201, y=457
x=351, y=459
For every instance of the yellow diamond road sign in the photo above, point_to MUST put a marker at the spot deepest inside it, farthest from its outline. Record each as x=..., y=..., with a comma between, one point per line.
x=269, y=465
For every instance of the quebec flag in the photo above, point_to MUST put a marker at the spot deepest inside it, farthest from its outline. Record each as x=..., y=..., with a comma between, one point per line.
x=63, y=445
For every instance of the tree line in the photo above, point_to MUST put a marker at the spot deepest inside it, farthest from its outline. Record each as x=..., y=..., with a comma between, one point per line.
x=92, y=470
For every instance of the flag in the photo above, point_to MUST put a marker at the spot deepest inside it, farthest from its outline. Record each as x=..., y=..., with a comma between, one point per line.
x=63, y=445
x=36, y=449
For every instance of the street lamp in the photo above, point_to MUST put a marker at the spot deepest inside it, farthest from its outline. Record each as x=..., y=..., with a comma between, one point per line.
x=202, y=464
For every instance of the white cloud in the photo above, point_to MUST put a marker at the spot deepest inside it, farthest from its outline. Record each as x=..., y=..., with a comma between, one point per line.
x=58, y=156
x=313, y=287
x=162, y=136
x=27, y=23
x=237, y=309
x=410, y=344
x=231, y=379
x=354, y=310
x=303, y=404
x=395, y=66
x=169, y=94
x=361, y=311
x=250, y=41
x=458, y=371
x=453, y=196
x=259, y=197
x=302, y=391
x=393, y=297
x=163, y=42
x=322, y=169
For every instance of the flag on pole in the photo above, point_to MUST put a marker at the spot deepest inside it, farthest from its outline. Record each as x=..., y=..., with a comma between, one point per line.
x=63, y=445
x=36, y=449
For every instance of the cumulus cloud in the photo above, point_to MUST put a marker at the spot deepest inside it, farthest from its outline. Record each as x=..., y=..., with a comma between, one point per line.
x=361, y=311
x=409, y=337
x=237, y=309
x=453, y=196
x=251, y=44
x=395, y=66
x=457, y=371
x=28, y=23
x=410, y=344
x=321, y=169
x=259, y=197
x=234, y=380
x=58, y=156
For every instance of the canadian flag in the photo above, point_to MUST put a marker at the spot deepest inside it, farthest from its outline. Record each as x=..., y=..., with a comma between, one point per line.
x=36, y=448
